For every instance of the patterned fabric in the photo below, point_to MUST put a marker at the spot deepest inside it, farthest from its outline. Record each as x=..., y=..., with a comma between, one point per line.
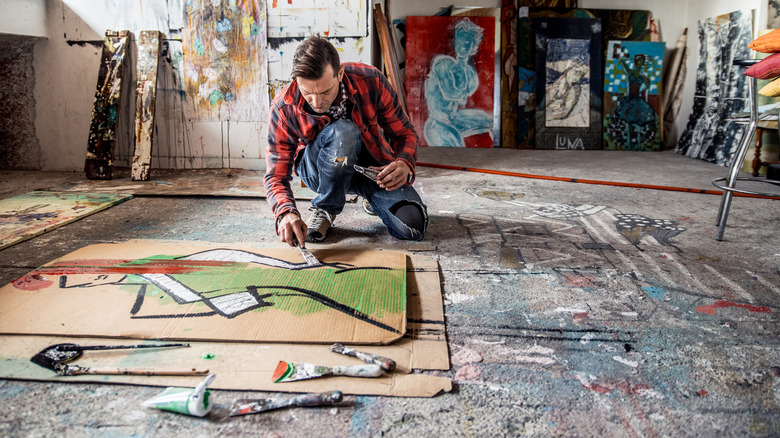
x=387, y=133
x=339, y=110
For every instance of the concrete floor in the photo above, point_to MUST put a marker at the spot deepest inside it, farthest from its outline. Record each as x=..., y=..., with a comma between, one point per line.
x=572, y=309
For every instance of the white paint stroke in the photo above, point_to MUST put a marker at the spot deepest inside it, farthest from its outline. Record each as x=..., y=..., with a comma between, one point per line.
x=630, y=363
x=734, y=286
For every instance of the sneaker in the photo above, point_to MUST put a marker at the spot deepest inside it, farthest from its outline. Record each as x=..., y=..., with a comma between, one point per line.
x=318, y=225
x=368, y=208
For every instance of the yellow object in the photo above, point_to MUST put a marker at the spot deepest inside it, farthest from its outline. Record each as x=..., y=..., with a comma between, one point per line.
x=771, y=89
x=768, y=43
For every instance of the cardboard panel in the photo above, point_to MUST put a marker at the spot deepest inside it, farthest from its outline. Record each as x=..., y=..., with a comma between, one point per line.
x=249, y=366
x=26, y=216
x=186, y=291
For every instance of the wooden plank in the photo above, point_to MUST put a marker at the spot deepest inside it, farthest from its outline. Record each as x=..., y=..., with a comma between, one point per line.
x=105, y=111
x=509, y=106
x=391, y=61
x=146, y=92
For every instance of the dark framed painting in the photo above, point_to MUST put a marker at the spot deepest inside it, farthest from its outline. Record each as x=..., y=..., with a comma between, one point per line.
x=569, y=83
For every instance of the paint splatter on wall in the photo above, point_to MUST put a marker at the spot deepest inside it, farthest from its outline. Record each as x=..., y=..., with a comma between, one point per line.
x=330, y=18
x=224, y=62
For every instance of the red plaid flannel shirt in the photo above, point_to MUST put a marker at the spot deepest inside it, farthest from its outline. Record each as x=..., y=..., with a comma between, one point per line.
x=385, y=128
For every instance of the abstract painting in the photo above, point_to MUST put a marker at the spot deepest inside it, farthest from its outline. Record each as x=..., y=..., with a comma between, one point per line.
x=721, y=88
x=450, y=71
x=32, y=214
x=208, y=292
x=568, y=86
x=225, y=61
x=632, y=95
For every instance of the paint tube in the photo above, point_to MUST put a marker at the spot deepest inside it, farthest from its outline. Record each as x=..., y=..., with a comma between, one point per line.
x=190, y=401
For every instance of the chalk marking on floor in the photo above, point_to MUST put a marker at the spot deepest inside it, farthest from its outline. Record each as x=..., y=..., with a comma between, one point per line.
x=630, y=363
x=685, y=271
x=769, y=285
x=606, y=226
x=657, y=268
x=737, y=288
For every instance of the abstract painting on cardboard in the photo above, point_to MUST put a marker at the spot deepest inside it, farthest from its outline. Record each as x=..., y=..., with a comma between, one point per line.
x=568, y=86
x=450, y=71
x=721, y=88
x=183, y=290
x=225, y=61
x=632, y=95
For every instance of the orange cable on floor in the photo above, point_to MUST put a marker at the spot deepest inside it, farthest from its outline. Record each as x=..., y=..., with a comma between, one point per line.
x=590, y=181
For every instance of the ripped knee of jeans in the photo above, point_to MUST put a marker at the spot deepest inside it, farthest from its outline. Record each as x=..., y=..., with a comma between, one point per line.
x=410, y=214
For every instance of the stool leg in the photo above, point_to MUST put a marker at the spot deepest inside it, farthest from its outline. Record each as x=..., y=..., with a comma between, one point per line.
x=736, y=163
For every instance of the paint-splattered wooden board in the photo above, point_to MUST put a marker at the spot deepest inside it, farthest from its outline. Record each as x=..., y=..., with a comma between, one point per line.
x=146, y=92
x=105, y=111
x=201, y=182
x=249, y=366
x=26, y=216
x=187, y=291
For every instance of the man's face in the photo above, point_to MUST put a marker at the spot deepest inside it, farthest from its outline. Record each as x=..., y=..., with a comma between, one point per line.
x=320, y=93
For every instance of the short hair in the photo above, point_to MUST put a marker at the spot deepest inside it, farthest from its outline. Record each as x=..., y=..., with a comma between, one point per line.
x=312, y=57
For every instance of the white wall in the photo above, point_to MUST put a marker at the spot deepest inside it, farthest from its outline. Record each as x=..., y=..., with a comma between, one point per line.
x=66, y=68
x=23, y=17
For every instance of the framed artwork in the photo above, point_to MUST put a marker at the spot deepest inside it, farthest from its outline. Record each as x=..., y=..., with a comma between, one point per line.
x=568, y=83
x=450, y=73
x=632, y=95
x=721, y=88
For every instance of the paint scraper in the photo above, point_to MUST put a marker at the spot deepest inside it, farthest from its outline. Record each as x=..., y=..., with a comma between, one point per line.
x=255, y=406
x=307, y=255
x=371, y=174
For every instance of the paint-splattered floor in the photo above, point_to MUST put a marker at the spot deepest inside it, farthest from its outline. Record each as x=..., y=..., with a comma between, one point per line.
x=572, y=309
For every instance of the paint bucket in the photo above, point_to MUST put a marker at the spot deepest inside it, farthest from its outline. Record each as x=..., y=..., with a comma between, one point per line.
x=190, y=401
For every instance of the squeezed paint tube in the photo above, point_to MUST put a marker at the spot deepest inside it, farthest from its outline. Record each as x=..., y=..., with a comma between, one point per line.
x=190, y=401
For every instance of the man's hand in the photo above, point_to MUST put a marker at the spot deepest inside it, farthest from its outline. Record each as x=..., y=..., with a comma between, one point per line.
x=393, y=175
x=291, y=225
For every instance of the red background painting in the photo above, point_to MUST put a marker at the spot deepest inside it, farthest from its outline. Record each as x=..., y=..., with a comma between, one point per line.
x=427, y=37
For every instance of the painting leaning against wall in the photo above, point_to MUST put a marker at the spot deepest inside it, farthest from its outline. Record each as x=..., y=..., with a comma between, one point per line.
x=450, y=74
x=721, y=89
x=225, y=65
x=632, y=95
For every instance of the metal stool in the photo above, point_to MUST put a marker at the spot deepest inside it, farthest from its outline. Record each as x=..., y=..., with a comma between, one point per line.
x=739, y=156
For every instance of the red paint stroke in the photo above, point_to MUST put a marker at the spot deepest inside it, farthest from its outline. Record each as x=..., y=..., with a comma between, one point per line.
x=580, y=316
x=169, y=267
x=32, y=282
x=607, y=387
x=702, y=393
x=712, y=309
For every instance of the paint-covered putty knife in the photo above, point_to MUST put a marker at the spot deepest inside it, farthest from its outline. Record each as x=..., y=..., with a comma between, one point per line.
x=387, y=365
x=290, y=372
x=307, y=255
x=255, y=406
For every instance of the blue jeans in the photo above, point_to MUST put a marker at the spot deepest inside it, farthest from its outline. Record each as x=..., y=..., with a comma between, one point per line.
x=326, y=166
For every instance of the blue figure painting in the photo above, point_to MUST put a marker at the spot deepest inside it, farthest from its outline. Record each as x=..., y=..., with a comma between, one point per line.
x=454, y=88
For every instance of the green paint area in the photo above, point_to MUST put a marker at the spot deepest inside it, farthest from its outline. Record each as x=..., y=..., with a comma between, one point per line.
x=199, y=47
x=375, y=292
x=215, y=97
x=208, y=356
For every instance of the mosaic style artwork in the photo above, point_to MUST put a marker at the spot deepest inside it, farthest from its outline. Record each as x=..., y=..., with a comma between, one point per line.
x=225, y=62
x=450, y=73
x=632, y=95
x=721, y=88
x=568, y=87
